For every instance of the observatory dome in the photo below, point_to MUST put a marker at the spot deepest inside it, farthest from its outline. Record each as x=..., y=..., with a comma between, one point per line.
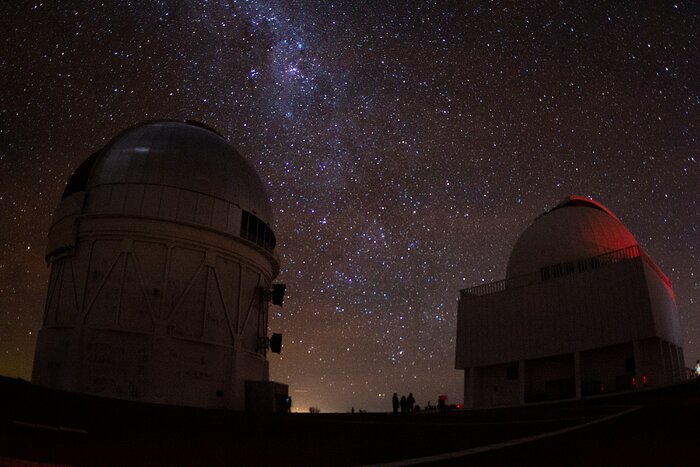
x=162, y=259
x=576, y=228
x=186, y=156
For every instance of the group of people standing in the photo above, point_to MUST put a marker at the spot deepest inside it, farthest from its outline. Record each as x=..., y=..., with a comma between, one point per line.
x=406, y=404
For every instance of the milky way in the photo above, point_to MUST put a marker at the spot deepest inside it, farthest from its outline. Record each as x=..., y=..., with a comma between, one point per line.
x=404, y=146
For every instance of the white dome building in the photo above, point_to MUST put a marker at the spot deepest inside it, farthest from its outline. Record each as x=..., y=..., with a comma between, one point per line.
x=582, y=311
x=162, y=260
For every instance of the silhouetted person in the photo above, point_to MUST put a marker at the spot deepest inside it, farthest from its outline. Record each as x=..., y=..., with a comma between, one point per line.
x=395, y=403
x=441, y=402
x=410, y=402
x=402, y=403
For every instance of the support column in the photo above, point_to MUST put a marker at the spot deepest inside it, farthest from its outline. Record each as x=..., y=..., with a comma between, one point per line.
x=675, y=361
x=664, y=363
x=468, y=388
x=521, y=380
x=577, y=374
x=639, y=368
x=472, y=385
x=681, y=361
x=670, y=366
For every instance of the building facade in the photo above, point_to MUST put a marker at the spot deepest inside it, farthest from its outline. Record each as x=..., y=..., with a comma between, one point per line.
x=162, y=259
x=583, y=311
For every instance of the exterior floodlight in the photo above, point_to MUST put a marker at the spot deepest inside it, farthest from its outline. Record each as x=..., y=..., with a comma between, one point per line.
x=276, y=343
x=278, y=293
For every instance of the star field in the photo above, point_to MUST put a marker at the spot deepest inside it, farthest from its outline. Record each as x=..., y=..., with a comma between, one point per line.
x=404, y=146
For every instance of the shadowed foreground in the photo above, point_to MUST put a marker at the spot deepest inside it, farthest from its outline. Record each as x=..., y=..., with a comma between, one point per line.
x=55, y=427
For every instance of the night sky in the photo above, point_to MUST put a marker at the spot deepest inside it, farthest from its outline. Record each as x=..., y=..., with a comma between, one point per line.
x=404, y=146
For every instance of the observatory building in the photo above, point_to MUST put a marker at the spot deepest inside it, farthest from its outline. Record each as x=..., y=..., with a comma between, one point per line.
x=583, y=310
x=162, y=260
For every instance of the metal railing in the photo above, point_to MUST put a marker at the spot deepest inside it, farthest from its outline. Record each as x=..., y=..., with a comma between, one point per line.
x=564, y=269
x=486, y=289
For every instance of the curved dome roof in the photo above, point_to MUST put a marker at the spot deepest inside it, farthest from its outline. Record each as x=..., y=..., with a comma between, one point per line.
x=576, y=228
x=184, y=155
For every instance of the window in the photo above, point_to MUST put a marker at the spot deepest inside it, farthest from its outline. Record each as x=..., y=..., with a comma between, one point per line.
x=256, y=231
x=568, y=268
x=544, y=273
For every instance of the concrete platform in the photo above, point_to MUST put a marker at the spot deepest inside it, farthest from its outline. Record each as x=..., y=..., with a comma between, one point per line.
x=40, y=427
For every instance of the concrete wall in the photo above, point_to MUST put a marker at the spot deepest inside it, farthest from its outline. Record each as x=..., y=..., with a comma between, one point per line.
x=652, y=362
x=662, y=302
x=591, y=309
x=492, y=387
x=550, y=378
x=155, y=311
x=607, y=366
x=621, y=320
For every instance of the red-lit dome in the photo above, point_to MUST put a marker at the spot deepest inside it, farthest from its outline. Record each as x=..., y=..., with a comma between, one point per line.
x=576, y=228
